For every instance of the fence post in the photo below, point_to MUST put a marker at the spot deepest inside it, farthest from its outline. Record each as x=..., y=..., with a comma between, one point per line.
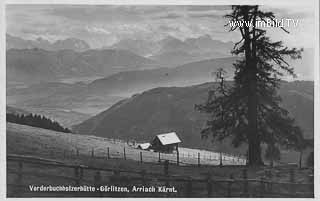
x=262, y=186
x=97, y=181
x=141, y=157
x=18, y=180
x=229, y=185
x=245, y=182
x=20, y=168
x=97, y=178
x=166, y=167
x=220, y=160
x=77, y=176
x=269, y=177
x=108, y=153
x=159, y=160
x=292, y=175
x=177, y=158
x=209, y=185
x=198, y=159
x=292, y=181
x=80, y=172
x=124, y=153
x=310, y=179
x=92, y=152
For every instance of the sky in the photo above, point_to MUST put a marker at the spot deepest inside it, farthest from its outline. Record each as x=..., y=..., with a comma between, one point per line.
x=103, y=25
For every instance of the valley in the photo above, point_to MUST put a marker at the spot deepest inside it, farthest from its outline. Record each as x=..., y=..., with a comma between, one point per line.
x=93, y=91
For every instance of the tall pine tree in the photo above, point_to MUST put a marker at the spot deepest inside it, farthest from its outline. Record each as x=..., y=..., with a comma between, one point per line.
x=249, y=110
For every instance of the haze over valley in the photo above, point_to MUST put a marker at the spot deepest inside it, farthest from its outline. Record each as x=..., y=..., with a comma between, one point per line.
x=72, y=85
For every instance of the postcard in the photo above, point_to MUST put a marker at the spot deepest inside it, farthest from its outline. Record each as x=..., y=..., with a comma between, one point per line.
x=166, y=99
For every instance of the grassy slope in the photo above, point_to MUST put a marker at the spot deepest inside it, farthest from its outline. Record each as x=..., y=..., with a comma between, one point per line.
x=23, y=139
x=49, y=144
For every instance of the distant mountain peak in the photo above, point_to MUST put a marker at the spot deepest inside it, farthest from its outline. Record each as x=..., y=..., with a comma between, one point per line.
x=172, y=51
x=14, y=42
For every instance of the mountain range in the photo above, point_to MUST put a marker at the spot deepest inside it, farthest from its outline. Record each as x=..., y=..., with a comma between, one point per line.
x=40, y=60
x=171, y=51
x=14, y=42
x=32, y=65
x=92, y=97
x=167, y=109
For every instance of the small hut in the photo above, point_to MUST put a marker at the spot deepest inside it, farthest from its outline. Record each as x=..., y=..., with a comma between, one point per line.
x=144, y=146
x=166, y=142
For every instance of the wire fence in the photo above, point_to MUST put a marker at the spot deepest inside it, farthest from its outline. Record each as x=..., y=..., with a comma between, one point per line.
x=125, y=149
x=183, y=157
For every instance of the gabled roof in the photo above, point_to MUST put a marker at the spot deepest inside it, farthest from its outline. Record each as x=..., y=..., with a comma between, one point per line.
x=144, y=145
x=168, y=138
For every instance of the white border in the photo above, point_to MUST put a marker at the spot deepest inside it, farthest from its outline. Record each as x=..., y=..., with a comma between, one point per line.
x=312, y=3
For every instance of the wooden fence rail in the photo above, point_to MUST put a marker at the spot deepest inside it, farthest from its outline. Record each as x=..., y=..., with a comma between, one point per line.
x=231, y=187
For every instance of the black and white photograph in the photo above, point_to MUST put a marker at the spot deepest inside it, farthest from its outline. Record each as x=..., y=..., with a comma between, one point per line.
x=155, y=100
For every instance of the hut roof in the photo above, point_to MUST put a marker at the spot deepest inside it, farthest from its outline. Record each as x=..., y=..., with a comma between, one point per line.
x=168, y=138
x=144, y=145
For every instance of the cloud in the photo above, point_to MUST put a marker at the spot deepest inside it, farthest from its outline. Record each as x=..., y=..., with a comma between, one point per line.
x=96, y=13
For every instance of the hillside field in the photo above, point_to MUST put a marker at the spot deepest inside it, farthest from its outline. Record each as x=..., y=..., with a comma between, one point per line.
x=28, y=140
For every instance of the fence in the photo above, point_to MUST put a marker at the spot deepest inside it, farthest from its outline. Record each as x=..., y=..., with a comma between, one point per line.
x=183, y=157
x=206, y=157
x=30, y=167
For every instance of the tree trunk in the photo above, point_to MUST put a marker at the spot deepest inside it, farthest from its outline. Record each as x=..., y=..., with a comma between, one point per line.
x=254, y=158
x=254, y=141
x=254, y=149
